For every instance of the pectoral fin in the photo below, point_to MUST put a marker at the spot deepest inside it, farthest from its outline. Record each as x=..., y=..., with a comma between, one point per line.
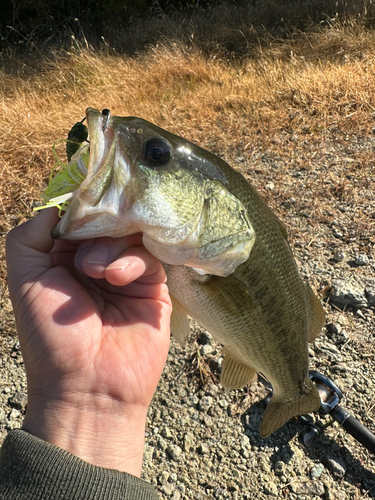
x=318, y=316
x=234, y=374
x=180, y=327
x=232, y=295
x=278, y=412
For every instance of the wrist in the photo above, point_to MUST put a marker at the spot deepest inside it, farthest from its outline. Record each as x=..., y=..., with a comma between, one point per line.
x=108, y=434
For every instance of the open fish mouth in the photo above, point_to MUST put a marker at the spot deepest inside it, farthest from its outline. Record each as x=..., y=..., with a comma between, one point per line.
x=88, y=214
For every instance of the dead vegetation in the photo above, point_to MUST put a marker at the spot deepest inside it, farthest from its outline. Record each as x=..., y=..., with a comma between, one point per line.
x=318, y=85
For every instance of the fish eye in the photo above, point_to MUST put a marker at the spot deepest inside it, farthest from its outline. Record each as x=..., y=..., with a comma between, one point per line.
x=157, y=152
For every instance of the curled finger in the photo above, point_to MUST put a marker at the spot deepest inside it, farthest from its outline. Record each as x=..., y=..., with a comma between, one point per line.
x=135, y=264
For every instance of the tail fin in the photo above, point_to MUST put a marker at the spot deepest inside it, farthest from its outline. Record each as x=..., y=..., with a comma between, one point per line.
x=278, y=412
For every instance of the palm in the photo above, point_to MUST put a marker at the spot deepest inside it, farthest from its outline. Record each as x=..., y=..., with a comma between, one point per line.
x=113, y=339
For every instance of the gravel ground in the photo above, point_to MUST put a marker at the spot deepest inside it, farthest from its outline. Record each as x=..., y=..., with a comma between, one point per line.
x=201, y=441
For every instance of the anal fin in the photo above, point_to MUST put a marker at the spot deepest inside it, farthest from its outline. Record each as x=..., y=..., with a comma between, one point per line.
x=180, y=327
x=234, y=374
x=278, y=412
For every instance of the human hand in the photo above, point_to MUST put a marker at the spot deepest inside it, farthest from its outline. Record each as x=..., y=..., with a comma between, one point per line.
x=94, y=335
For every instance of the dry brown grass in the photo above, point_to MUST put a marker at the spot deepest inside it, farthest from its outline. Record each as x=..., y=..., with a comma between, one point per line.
x=311, y=83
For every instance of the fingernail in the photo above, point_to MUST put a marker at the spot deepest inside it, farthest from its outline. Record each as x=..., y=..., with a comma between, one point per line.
x=80, y=255
x=100, y=256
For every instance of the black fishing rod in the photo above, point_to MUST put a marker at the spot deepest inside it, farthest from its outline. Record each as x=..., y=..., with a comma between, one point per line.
x=330, y=397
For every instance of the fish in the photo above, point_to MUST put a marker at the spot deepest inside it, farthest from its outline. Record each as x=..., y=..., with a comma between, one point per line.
x=227, y=258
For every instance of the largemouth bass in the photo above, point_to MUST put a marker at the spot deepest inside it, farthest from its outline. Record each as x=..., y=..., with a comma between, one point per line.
x=228, y=262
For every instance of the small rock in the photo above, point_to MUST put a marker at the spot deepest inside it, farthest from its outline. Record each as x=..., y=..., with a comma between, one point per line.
x=270, y=186
x=232, y=409
x=3, y=433
x=338, y=256
x=211, y=390
x=181, y=487
x=348, y=293
x=166, y=432
x=203, y=449
x=14, y=414
x=167, y=489
x=245, y=441
x=172, y=477
x=271, y=489
x=279, y=468
x=192, y=400
x=163, y=477
x=219, y=493
x=312, y=488
x=240, y=159
x=208, y=422
x=361, y=260
x=162, y=445
x=360, y=314
x=148, y=453
x=337, y=467
x=174, y=452
x=205, y=403
x=14, y=424
x=336, y=495
x=332, y=328
x=264, y=465
x=337, y=234
x=223, y=403
x=18, y=400
x=206, y=349
x=317, y=470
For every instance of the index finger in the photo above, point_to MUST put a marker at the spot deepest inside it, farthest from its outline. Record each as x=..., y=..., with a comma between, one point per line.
x=135, y=264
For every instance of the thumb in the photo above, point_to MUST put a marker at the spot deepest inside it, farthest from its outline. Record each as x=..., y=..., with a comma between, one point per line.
x=28, y=246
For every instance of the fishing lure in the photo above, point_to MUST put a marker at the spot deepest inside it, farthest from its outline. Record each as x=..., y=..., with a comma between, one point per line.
x=77, y=135
x=62, y=184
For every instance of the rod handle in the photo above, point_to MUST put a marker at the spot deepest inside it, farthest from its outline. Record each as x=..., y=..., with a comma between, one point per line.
x=354, y=428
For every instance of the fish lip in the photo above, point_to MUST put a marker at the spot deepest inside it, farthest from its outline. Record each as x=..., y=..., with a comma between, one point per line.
x=77, y=228
x=101, y=136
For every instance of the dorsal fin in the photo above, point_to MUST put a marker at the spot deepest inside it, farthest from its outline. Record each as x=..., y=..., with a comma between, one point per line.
x=282, y=227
